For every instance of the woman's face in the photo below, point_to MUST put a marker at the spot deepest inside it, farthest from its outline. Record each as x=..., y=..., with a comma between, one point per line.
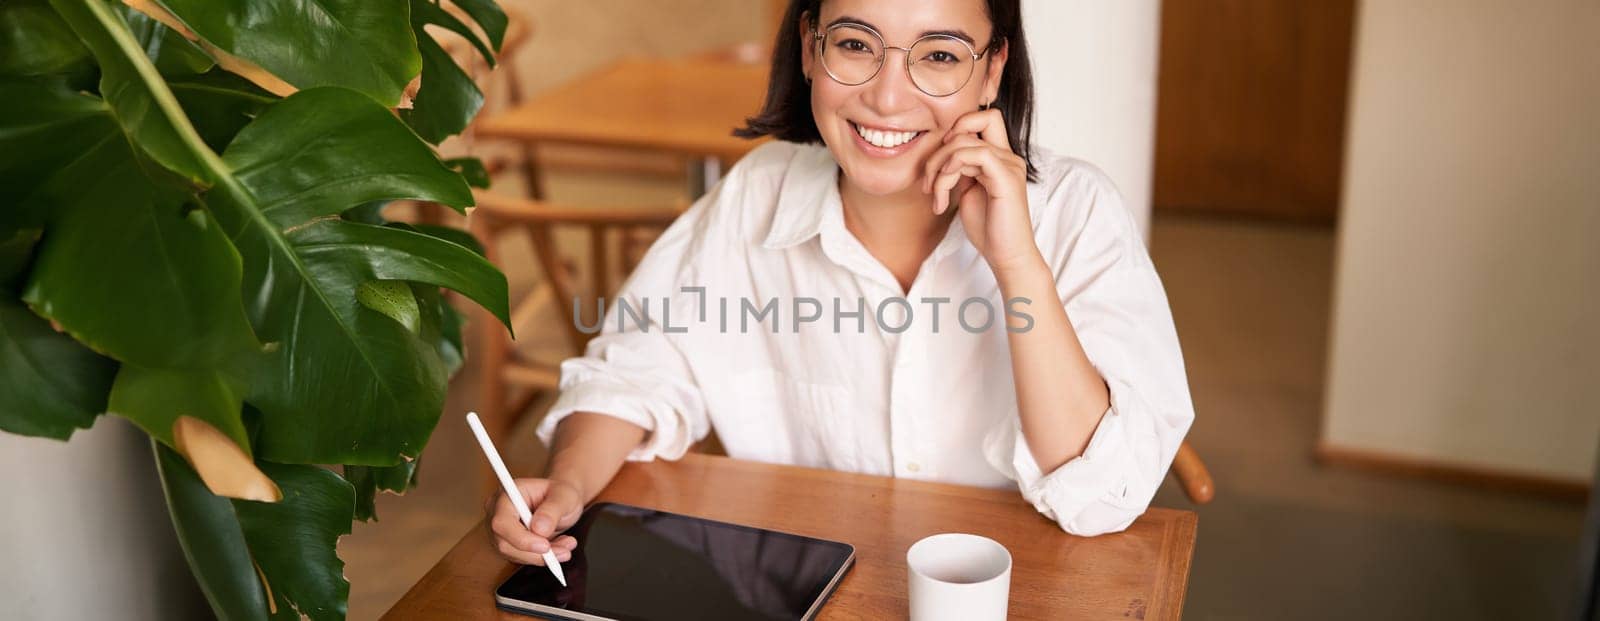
x=889, y=107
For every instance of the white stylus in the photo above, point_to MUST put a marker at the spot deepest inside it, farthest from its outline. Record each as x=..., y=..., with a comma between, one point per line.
x=517, y=500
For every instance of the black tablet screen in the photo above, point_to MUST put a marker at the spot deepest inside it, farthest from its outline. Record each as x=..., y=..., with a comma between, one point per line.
x=634, y=563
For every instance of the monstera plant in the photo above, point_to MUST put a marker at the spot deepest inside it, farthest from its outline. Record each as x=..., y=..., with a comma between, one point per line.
x=191, y=239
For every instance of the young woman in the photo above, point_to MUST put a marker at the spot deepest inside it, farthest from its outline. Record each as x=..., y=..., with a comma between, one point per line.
x=899, y=285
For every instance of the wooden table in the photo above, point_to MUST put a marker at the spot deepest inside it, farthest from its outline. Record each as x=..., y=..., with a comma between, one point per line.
x=1138, y=574
x=683, y=106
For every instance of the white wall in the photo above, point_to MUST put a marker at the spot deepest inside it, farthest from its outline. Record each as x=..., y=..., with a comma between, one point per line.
x=84, y=531
x=1094, y=65
x=1467, y=315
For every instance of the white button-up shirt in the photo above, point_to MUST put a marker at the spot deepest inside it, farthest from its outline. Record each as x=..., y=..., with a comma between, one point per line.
x=759, y=314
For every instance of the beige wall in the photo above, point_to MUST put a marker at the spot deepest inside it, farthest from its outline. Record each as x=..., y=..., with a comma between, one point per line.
x=1094, y=72
x=1467, y=303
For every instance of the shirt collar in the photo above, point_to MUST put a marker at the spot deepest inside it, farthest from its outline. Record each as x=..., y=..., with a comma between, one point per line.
x=808, y=194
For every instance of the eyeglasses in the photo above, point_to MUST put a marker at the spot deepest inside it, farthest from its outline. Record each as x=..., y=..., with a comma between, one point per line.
x=938, y=64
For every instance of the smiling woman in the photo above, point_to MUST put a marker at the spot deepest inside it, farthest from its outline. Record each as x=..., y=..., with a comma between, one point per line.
x=903, y=187
x=788, y=108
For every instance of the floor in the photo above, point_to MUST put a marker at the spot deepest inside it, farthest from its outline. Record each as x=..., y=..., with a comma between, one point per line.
x=1287, y=538
x=1284, y=539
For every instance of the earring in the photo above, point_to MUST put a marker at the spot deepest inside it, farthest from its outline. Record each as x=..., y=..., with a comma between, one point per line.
x=983, y=106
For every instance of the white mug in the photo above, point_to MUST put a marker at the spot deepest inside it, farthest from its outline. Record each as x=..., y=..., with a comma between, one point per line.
x=957, y=576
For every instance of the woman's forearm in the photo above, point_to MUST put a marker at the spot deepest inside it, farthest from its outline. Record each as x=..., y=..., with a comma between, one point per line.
x=1060, y=395
x=588, y=449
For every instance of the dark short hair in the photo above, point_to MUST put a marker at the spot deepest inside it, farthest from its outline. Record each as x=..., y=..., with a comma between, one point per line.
x=786, y=115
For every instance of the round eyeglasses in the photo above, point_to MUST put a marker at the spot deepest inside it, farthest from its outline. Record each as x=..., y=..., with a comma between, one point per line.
x=938, y=64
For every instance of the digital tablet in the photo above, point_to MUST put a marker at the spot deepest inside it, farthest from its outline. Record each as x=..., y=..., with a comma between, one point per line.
x=635, y=564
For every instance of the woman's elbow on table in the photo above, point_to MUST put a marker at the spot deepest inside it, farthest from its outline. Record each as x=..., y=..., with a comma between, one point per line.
x=1099, y=519
x=1086, y=507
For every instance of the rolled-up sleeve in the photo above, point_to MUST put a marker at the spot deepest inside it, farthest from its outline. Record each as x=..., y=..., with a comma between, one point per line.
x=1119, y=310
x=634, y=370
x=623, y=375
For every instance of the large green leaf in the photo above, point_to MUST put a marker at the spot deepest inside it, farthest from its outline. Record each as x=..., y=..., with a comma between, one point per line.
x=341, y=383
x=16, y=253
x=131, y=84
x=219, y=104
x=325, y=150
x=121, y=241
x=154, y=399
x=392, y=298
x=425, y=12
x=236, y=546
x=441, y=325
x=447, y=99
x=171, y=52
x=34, y=41
x=212, y=540
x=118, y=239
x=49, y=384
x=295, y=540
x=357, y=44
x=450, y=234
x=488, y=16
x=369, y=480
x=197, y=413
x=392, y=253
x=45, y=127
x=369, y=386
x=471, y=169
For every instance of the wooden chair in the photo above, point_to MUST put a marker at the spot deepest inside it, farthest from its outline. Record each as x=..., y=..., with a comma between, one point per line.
x=616, y=238
x=1192, y=475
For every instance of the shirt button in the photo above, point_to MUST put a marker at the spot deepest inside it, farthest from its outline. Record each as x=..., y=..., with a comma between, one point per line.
x=912, y=466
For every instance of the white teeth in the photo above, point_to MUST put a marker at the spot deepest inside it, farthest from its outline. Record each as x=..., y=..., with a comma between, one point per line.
x=885, y=139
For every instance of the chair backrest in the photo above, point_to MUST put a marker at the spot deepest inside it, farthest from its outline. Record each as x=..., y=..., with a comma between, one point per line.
x=617, y=239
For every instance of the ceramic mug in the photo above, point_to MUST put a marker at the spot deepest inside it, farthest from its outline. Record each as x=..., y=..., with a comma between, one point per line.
x=957, y=576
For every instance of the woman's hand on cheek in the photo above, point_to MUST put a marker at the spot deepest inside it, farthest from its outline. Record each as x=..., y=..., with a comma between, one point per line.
x=976, y=170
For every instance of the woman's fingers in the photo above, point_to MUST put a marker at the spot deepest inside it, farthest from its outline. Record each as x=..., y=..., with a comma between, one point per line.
x=507, y=527
x=555, y=504
x=562, y=546
x=515, y=555
x=988, y=125
x=524, y=557
x=512, y=551
x=559, y=504
x=941, y=157
x=533, y=490
x=979, y=163
x=947, y=185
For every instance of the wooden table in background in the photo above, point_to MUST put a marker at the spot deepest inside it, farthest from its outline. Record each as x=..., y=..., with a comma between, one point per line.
x=1138, y=574
x=683, y=106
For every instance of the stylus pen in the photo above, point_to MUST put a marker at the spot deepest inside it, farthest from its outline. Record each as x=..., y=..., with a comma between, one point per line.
x=517, y=500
